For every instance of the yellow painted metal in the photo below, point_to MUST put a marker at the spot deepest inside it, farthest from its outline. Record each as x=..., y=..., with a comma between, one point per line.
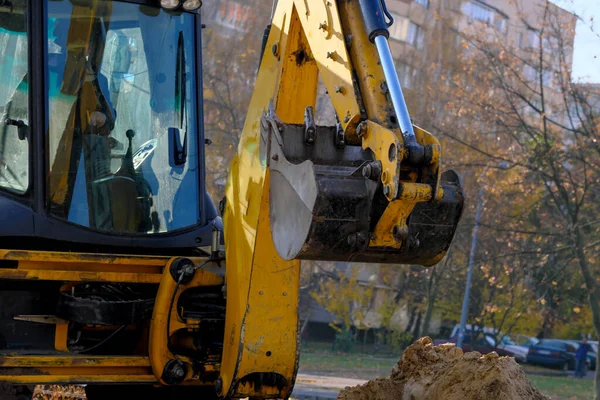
x=18, y=274
x=365, y=61
x=158, y=350
x=60, y=337
x=79, y=259
x=43, y=377
x=73, y=361
x=298, y=79
x=394, y=215
x=82, y=267
x=322, y=25
x=75, y=369
x=262, y=288
x=404, y=194
x=434, y=168
x=388, y=148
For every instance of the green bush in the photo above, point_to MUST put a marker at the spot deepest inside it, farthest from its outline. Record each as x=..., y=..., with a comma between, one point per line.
x=399, y=340
x=344, y=340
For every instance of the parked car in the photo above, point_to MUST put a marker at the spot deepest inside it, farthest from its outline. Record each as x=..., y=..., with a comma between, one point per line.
x=526, y=340
x=506, y=347
x=520, y=352
x=554, y=353
x=483, y=344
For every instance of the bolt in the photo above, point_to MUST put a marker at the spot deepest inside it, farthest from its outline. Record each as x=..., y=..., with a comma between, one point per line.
x=387, y=190
x=339, y=89
x=275, y=157
x=178, y=371
x=351, y=240
x=328, y=3
x=188, y=270
x=400, y=232
x=331, y=54
x=285, y=293
x=323, y=26
x=367, y=171
x=347, y=119
x=261, y=292
x=361, y=130
x=219, y=385
x=275, y=49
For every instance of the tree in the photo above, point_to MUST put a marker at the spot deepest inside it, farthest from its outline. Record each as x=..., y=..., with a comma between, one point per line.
x=231, y=55
x=546, y=128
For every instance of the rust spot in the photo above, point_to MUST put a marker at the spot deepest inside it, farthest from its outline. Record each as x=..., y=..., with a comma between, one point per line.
x=301, y=56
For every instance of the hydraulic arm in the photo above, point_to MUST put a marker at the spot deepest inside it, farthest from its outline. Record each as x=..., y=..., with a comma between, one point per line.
x=369, y=189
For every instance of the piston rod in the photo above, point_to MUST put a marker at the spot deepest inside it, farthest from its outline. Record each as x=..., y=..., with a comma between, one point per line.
x=393, y=83
x=374, y=13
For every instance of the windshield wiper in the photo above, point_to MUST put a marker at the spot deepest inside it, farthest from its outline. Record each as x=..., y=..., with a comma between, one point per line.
x=179, y=149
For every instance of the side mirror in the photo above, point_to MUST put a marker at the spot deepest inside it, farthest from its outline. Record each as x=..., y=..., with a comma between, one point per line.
x=178, y=150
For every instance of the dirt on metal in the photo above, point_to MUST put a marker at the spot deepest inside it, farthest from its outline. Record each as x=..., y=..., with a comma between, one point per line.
x=443, y=372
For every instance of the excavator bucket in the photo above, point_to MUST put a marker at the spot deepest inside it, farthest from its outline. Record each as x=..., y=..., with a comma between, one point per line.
x=323, y=207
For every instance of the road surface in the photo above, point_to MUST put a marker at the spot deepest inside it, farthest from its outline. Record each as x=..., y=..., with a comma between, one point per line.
x=314, y=387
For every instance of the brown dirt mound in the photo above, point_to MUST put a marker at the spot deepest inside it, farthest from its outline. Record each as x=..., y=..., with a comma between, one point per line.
x=428, y=372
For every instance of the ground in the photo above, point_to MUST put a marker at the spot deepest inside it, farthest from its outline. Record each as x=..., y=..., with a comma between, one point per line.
x=318, y=360
x=324, y=372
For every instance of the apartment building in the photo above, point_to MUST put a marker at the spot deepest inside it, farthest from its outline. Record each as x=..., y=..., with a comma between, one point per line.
x=513, y=22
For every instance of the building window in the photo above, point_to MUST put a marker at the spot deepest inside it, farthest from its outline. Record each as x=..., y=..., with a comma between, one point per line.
x=486, y=14
x=234, y=15
x=407, y=31
x=533, y=39
x=532, y=74
x=424, y=3
x=549, y=43
x=406, y=75
x=399, y=29
x=416, y=36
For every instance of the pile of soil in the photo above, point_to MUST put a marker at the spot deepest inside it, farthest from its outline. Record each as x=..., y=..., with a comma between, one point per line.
x=428, y=372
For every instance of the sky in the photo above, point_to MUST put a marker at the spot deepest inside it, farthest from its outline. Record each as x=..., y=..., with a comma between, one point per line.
x=586, y=59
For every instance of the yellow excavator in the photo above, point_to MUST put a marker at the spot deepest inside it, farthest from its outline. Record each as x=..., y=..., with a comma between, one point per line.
x=117, y=270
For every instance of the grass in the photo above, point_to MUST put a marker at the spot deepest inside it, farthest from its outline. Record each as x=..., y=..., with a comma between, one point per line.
x=358, y=366
x=563, y=388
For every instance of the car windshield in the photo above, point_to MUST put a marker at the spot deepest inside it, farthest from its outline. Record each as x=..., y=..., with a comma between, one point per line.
x=122, y=125
x=557, y=344
x=507, y=340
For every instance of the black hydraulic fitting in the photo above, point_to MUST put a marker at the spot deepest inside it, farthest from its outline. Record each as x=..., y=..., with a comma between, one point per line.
x=174, y=372
x=374, y=13
x=182, y=270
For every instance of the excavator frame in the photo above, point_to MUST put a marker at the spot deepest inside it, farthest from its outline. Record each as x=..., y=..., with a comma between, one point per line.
x=258, y=273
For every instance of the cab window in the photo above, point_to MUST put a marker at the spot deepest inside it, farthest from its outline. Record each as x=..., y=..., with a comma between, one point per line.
x=123, y=126
x=14, y=98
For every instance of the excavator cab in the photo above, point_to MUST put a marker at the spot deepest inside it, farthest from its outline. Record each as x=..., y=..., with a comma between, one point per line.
x=101, y=145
